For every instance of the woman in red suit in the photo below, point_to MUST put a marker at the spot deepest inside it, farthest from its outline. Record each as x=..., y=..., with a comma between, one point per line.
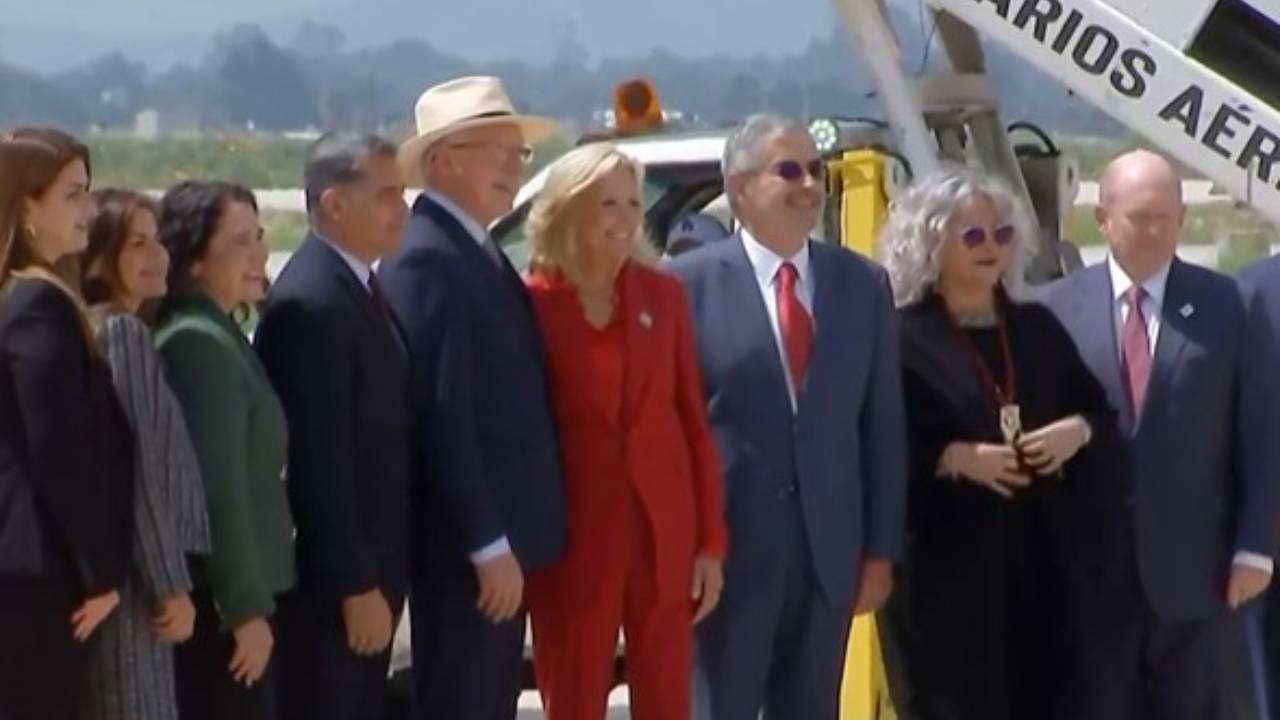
x=645, y=516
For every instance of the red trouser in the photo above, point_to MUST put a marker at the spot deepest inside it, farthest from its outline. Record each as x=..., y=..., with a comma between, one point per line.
x=574, y=642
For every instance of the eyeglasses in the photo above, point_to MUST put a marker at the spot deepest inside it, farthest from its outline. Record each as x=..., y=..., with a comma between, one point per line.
x=793, y=170
x=972, y=237
x=525, y=153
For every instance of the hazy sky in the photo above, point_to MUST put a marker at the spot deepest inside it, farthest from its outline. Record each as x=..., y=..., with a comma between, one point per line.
x=51, y=34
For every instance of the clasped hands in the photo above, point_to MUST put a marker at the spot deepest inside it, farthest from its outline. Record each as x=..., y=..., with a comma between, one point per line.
x=1004, y=469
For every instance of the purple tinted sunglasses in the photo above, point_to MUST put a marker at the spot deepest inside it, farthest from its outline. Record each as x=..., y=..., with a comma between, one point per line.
x=793, y=170
x=972, y=237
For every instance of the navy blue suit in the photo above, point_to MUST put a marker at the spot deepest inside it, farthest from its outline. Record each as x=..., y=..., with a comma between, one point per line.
x=1260, y=283
x=1198, y=484
x=809, y=494
x=342, y=375
x=490, y=465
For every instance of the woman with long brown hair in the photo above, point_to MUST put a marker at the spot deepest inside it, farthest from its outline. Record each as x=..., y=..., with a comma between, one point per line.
x=65, y=452
x=124, y=272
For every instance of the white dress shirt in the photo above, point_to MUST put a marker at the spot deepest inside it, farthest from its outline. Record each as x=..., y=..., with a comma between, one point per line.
x=766, y=264
x=1152, y=304
x=477, y=231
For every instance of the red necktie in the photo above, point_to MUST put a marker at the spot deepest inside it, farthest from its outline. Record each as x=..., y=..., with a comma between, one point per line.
x=1136, y=348
x=794, y=323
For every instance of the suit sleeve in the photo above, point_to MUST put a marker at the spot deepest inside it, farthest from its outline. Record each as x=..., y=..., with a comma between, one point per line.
x=882, y=429
x=205, y=376
x=1257, y=432
x=48, y=352
x=157, y=544
x=1086, y=397
x=313, y=369
x=691, y=406
x=439, y=334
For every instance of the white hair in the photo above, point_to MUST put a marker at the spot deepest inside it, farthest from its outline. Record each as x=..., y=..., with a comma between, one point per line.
x=912, y=237
x=744, y=149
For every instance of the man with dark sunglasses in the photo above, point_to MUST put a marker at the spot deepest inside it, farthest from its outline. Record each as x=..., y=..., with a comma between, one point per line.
x=798, y=342
x=1189, y=532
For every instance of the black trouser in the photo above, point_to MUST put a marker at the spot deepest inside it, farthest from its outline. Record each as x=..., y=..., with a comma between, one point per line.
x=206, y=688
x=320, y=677
x=44, y=671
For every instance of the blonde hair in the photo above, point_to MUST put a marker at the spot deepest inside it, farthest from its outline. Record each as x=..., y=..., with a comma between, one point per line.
x=551, y=219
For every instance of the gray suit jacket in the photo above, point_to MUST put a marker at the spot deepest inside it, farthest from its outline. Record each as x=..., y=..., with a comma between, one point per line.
x=1201, y=479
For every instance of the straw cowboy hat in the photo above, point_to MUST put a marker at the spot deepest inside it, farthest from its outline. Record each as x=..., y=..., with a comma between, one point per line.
x=459, y=105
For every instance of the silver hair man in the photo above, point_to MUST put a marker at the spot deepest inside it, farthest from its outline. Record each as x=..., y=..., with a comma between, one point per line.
x=912, y=238
x=744, y=148
x=336, y=159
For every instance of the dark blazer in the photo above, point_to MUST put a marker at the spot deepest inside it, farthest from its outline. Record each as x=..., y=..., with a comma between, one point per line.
x=240, y=437
x=479, y=389
x=1260, y=284
x=1211, y=396
x=845, y=447
x=342, y=377
x=661, y=444
x=66, y=451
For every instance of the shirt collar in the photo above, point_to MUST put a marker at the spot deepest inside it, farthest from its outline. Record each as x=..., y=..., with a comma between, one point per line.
x=1154, y=285
x=474, y=228
x=766, y=262
x=359, y=268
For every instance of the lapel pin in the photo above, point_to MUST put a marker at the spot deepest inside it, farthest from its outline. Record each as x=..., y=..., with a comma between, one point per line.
x=1186, y=310
x=646, y=320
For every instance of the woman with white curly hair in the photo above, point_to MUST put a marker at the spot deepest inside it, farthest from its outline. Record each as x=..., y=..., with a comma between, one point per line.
x=999, y=408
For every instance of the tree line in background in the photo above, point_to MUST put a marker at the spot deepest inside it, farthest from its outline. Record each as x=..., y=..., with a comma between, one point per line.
x=248, y=81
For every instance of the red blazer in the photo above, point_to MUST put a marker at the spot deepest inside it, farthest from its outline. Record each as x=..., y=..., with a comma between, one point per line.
x=662, y=444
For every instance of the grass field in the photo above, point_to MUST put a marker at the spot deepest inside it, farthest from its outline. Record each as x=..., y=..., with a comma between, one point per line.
x=276, y=162
x=253, y=161
x=262, y=162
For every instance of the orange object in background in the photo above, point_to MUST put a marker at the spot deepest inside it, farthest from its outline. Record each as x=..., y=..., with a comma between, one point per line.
x=636, y=107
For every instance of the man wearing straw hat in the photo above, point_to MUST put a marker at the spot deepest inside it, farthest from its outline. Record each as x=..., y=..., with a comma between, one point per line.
x=488, y=495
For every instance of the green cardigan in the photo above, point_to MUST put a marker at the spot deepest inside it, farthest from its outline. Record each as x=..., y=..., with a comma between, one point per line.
x=241, y=441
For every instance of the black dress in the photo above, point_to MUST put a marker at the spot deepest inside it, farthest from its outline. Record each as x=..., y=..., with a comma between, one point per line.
x=979, y=623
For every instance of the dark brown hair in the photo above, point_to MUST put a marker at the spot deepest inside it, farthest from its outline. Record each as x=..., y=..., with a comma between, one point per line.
x=116, y=210
x=189, y=216
x=31, y=159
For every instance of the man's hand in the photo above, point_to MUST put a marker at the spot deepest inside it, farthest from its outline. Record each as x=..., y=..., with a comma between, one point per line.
x=90, y=615
x=501, y=587
x=174, y=620
x=875, y=580
x=708, y=581
x=1246, y=583
x=369, y=623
